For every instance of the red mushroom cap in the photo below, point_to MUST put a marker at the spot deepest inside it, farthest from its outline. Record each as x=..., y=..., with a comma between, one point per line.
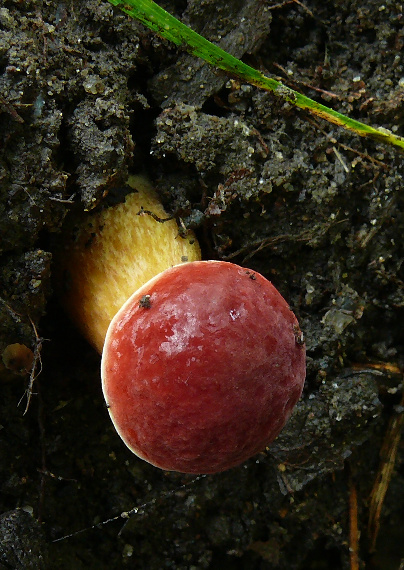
x=202, y=367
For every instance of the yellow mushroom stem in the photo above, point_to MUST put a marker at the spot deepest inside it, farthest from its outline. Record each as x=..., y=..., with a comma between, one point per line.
x=114, y=253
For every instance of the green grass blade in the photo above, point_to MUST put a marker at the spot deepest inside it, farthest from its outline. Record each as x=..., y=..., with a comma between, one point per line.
x=164, y=24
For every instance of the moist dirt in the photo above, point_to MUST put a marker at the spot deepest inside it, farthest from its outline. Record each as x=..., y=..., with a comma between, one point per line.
x=86, y=97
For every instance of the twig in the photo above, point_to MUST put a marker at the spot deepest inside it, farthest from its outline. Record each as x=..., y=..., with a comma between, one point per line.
x=34, y=372
x=353, y=526
x=142, y=212
x=126, y=515
x=10, y=110
x=305, y=236
x=63, y=201
x=388, y=454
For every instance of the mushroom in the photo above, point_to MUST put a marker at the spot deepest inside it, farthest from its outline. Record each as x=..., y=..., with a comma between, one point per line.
x=202, y=367
x=203, y=361
x=113, y=253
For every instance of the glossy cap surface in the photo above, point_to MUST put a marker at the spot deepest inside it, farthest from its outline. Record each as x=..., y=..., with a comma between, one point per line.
x=202, y=367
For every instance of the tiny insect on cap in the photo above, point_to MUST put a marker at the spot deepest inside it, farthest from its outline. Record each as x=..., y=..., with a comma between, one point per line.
x=201, y=367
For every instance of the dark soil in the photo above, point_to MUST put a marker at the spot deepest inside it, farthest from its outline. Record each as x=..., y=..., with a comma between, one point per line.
x=86, y=96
